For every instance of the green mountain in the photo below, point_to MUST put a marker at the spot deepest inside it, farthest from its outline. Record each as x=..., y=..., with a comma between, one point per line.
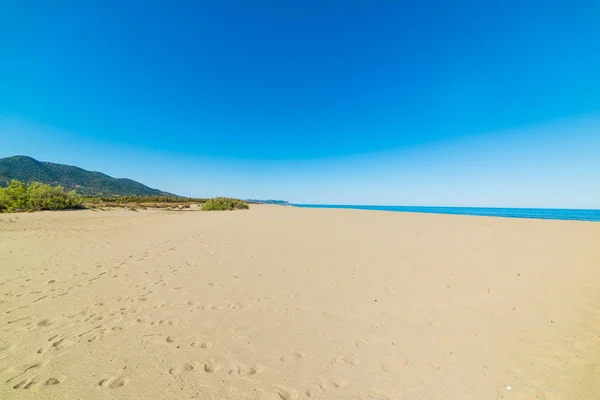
x=27, y=169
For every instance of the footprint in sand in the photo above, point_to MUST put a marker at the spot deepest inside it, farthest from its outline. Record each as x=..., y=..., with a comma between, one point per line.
x=100, y=334
x=95, y=328
x=113, y=382
x=246, y=370
x=238, y=306
x=185, y=367
x=52, y=381
x=171, y=339
x=59, y=344
x=125, y=311
x=350, y=359
x=202, y=345
x=298, y=355
x=45, y=322
x=40, y=298
x=211, y=366
x=286, y=393
x=324, y=385
x=338, y=383
x=165, y=322
x=433, y=322
x=29, y=368
x=29, y=383
x=392, y=365
x=14, y=321
x=377, y=395
x=94, y=317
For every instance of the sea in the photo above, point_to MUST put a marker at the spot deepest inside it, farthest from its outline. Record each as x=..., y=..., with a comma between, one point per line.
x=535, y=213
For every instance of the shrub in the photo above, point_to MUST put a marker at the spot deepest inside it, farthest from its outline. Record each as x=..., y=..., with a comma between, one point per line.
x=46, y=197
x=37, y=196
x=13, y=197
x=224, y=204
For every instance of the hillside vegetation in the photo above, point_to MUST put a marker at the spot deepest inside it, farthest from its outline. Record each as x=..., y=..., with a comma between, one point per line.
x=37, y=196
x=27, y=170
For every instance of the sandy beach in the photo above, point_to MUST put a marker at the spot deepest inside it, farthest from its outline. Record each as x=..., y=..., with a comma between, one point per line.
x=285, y=303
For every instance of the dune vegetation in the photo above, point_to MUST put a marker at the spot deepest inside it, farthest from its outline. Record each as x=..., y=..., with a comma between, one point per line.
x=164, y=202
x=142, y=199
x=135, y=203
x=36, y=196
x=224, y=204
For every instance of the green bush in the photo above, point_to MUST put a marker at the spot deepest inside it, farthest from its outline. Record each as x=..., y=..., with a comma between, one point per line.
x=224, y=204
x=13, y=197
x=37, y=196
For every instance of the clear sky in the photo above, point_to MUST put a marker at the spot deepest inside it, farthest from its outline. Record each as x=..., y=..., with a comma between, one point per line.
x=480, y=103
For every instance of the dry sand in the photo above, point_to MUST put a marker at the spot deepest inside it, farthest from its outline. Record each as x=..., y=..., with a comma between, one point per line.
x=284, y=303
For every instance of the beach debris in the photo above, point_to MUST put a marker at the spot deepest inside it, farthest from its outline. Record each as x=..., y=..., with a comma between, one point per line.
x=508, y=388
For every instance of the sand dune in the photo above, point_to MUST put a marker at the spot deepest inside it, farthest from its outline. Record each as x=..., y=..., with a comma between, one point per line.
x=284, y=303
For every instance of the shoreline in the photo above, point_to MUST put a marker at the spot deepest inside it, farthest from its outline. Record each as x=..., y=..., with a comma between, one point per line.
x=554, y=214
x=286, y=302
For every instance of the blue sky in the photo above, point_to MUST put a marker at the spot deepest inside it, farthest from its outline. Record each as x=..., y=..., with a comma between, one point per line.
x=350, y=102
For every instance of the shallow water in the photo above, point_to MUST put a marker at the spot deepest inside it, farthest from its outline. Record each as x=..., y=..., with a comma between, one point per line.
x=536, y=213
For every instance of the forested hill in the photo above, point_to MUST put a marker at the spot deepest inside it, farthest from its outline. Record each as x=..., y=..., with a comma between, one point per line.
x=27, y=169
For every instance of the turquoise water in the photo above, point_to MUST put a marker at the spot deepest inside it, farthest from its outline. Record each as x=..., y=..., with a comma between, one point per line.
x=537, y=213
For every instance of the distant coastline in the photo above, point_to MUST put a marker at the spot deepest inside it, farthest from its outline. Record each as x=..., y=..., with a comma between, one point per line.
x=277, y=202
x=531, y=213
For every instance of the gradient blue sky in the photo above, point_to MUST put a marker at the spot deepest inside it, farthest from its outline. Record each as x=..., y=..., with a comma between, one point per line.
x=478, y=103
